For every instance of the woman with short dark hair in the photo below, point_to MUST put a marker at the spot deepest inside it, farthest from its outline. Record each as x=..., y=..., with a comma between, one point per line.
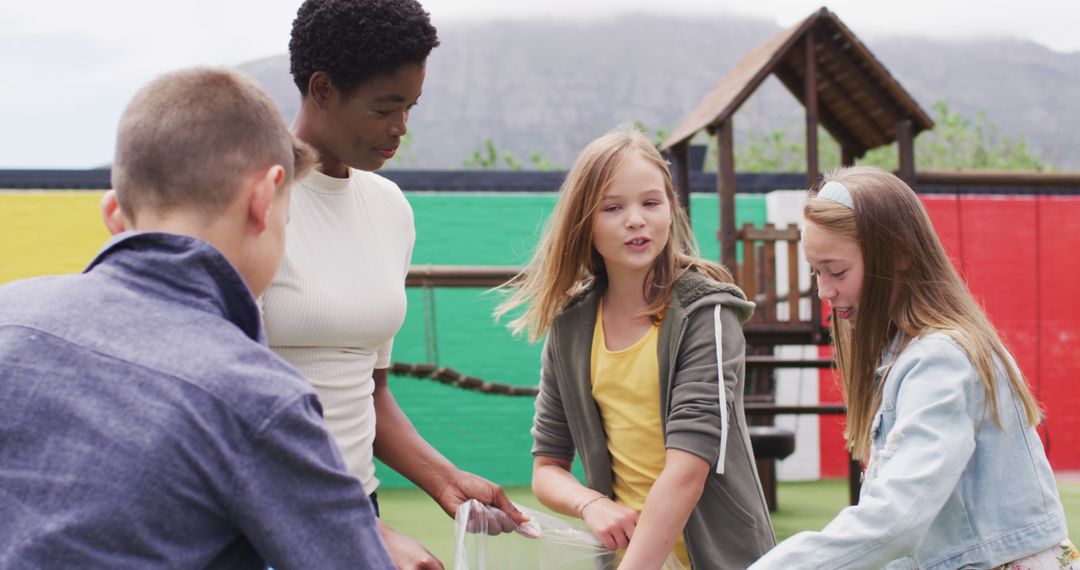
x=339, y=297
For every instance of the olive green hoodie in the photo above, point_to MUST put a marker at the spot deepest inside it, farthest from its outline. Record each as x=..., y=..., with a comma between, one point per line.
x=729, y=527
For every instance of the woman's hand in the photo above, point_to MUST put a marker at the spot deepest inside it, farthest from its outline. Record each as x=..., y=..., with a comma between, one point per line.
x=611, y=522
x=462, y=486
x=407, y=553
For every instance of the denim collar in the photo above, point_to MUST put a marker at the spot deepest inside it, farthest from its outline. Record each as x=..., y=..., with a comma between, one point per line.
x=182, y=269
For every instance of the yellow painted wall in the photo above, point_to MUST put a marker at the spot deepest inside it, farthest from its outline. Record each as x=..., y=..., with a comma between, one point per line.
x=48, y=232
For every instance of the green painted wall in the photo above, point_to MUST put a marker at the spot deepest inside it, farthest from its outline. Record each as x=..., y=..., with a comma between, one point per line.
x=489, y=434
x=51, y=232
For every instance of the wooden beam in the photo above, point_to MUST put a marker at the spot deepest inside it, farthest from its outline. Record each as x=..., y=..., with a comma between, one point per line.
x=899, y=95
x=829, y=41
x=680, y=174
x=460, y=275
x=790, y=79
x=768, y=280
x=748, y=271
x=706, y=114
x=854, y=480
x=753, y=408
x=793, y=300
x=819, y=330
x=813, y=167
x=769, y=233
x=847, y=156
x=827, y=78
x=998, y=178
x=905, y=143
x=764, y=361
x=725, y=188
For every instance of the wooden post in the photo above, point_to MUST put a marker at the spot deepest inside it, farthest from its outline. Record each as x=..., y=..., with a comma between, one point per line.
x=847, y=156
x=816, y=316
x=812, y=167
x=793, y=300
x=768, y=278
x=748, y=269
x=725, y=188
x=854, y=480
x=680, y=174
x=905, y=143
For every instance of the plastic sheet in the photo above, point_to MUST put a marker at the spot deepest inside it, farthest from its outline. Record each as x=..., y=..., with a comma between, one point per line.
x=546, y=542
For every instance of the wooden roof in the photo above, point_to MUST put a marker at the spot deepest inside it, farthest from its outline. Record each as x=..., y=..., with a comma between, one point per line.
x=859, y=101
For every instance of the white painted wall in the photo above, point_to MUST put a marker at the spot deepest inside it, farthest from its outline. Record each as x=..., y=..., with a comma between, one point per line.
x=795, y=386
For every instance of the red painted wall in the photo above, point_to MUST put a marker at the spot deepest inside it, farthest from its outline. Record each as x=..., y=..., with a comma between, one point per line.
x=1021, y=259
x=834, y=456
x=1057, y=379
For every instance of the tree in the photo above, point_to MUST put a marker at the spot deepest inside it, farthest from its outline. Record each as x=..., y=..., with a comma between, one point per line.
x=956, y=142
x=486, y=159
x=658, y=136
x=541, y=162
x=489, y=158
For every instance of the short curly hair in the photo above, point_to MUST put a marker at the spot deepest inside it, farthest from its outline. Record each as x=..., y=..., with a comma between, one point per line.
x=353, y=41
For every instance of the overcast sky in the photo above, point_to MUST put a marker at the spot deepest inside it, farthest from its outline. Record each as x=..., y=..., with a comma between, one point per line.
x=69, y=66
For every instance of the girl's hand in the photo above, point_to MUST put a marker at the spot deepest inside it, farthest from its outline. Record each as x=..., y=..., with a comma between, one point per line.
x=611, y=522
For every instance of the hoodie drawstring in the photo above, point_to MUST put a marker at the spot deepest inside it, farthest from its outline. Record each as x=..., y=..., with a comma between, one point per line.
x=718, y=329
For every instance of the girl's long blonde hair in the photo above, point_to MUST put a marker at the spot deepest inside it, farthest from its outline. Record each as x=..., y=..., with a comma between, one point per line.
x=566, y=261
x=910, y=288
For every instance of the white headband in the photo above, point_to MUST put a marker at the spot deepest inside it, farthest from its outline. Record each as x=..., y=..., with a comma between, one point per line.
x=836, y=192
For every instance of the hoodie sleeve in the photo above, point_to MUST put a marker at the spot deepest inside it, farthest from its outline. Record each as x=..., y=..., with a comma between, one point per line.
x=551, y=433
x=694, y=421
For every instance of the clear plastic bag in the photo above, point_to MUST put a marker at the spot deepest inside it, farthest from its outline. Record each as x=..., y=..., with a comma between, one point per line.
x=485, y=539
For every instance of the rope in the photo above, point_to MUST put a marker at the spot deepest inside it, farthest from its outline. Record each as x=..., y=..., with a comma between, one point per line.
x=452, y=377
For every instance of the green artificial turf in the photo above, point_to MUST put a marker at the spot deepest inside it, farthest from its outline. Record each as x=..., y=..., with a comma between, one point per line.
x=806, y=505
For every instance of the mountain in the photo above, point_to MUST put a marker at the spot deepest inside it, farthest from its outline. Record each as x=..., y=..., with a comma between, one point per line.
x=551, y=86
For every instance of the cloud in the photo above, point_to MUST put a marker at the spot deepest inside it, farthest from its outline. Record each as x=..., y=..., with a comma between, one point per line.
x=70, y=65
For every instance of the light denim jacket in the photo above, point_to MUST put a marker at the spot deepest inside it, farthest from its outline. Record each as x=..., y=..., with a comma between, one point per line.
x=945, y=487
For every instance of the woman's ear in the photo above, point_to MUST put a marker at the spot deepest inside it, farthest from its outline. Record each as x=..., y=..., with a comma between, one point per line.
x=321, y=89
x=111, y=213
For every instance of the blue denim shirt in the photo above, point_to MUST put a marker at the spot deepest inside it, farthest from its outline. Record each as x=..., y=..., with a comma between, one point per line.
x=945, y=486
x=145, y=424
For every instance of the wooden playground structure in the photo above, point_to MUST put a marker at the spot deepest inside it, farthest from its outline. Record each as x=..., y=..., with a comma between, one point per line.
x=850, y=94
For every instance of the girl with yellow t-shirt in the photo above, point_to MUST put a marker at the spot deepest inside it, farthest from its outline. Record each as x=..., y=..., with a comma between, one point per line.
x=642, y=369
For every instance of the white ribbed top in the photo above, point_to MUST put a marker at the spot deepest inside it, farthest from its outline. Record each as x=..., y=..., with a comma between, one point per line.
x=338, y=298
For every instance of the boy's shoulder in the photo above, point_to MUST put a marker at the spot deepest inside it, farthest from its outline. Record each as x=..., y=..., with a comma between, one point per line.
x=21, y=293
x=167, y=345
x=229, y=367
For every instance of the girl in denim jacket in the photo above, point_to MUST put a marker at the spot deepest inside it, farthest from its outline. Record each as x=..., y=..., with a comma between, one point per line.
x=956, y=476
